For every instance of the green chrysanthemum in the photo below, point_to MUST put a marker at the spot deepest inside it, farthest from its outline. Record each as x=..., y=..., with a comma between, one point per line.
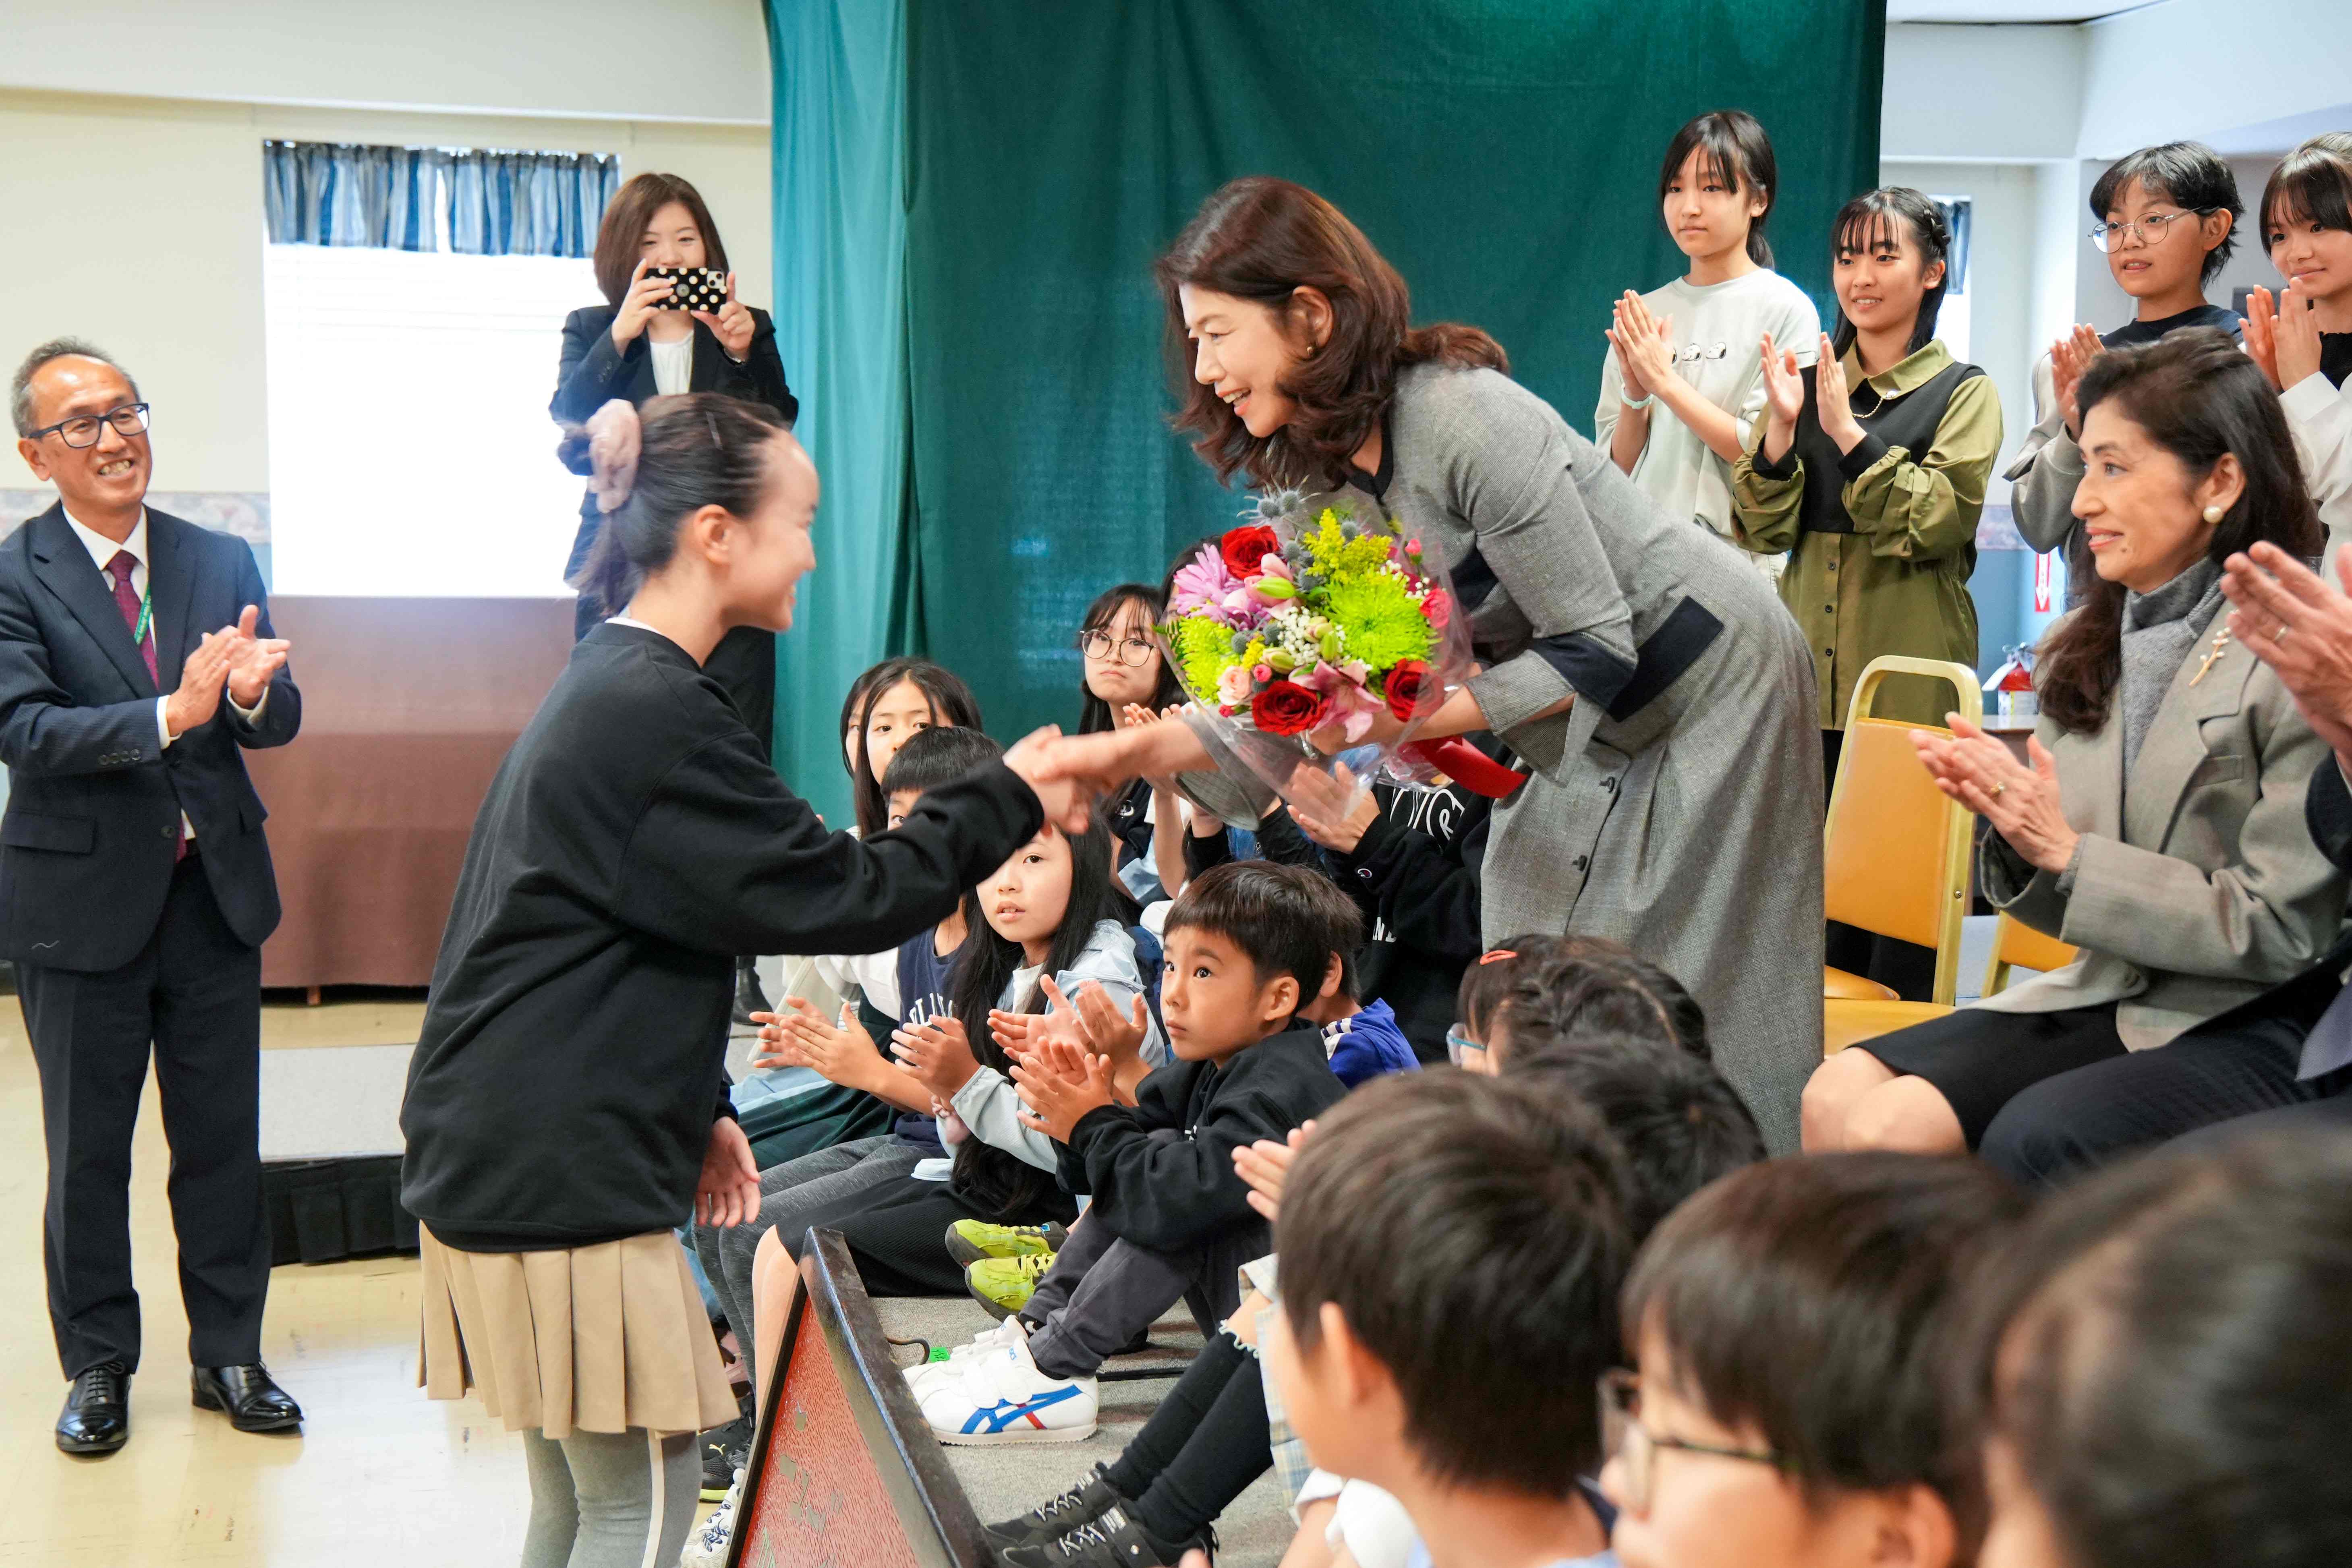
x=1382, y=622
x=1203, y=651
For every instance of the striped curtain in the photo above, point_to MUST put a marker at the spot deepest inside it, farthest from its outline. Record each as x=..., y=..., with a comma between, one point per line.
x=320, y=193
x=529, y=203
x=406, y=198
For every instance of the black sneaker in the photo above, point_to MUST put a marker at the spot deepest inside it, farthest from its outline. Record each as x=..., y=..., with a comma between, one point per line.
x=724, y=1451
x=1049, y=1521
x=1109, y=1540
x=749, y=997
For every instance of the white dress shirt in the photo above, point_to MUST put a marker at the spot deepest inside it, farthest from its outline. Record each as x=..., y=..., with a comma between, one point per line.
x=673, y=364
x=103, y=549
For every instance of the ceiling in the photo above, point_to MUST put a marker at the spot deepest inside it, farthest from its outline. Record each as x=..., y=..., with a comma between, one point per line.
x=2007, y=10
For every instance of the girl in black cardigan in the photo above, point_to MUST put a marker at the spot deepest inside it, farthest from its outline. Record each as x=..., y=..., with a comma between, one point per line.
x=635, y=347
x=567, y=1104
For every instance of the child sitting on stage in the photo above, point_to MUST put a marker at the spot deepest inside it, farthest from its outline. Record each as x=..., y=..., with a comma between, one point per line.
x=1247, y=946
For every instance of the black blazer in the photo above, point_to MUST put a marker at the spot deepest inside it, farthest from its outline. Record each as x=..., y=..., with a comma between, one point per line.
x=592, y=373
x=95, y=798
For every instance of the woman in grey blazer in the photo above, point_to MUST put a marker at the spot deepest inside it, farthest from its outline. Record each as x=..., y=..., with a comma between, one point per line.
x=2160, y=829
x=1657, y=692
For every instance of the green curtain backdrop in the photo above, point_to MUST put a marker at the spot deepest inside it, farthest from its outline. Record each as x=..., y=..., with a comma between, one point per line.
x=1503, y=154
x=840, y=82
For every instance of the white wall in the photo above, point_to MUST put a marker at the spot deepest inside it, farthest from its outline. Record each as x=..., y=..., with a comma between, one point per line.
x=137, y=223
x=2251, y=64
x=622, y=59
x=2000, y=298
x=2008, y=94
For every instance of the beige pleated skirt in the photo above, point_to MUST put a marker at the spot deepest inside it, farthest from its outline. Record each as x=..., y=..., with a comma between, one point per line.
x=599, y=1338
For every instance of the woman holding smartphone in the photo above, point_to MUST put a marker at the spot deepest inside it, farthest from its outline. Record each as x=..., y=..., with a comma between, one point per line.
x=643, y=342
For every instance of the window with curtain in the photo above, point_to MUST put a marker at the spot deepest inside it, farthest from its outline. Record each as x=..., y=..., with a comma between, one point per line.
x=414, y=299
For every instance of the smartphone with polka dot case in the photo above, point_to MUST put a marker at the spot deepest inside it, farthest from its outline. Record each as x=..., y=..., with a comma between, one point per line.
x=694, y=288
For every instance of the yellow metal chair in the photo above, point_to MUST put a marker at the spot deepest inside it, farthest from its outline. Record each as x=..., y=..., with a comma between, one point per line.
x=2014, y=946
x=1895, y=854
x=2017, y=946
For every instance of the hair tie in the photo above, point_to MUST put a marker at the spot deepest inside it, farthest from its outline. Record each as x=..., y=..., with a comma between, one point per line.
x=1496, y=956
x=616, y=436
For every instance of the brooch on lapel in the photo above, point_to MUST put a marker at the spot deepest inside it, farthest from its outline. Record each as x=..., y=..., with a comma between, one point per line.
x=2221, y=641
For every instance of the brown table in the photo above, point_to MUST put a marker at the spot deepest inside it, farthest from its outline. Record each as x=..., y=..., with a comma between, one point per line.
x=408, y=706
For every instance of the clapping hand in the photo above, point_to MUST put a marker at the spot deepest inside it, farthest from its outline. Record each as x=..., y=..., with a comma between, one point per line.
x=2021, y=803
x=2070, y=356
x=637, y=305
x=201, y=677
x=938, y=1053
x=1831, y=401
x=253, y=660
x=1095, y=1022
x=2300, y=625
x=1645, y=355
x=1332, y=810
x=732, y=326
x=1053, y=1103
x=1264, y=1165
x=1784, y=399
x=840, y=1052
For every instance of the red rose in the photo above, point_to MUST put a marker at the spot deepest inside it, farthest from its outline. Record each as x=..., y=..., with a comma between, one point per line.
x=1244, y=548
x=1404, y=686
x=1286, y=707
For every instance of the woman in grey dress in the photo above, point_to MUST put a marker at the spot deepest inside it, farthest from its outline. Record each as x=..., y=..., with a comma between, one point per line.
x=1655, y=688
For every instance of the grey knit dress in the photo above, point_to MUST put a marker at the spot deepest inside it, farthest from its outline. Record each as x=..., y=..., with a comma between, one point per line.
x=1677, y=805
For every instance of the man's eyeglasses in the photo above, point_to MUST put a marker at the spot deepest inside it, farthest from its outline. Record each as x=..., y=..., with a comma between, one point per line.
x=2149, y=230
x=1623, y=1438
x=82, y=429
x=1133, y=652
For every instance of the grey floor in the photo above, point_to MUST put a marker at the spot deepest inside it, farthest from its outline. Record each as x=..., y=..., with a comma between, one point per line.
x=1004, y=1481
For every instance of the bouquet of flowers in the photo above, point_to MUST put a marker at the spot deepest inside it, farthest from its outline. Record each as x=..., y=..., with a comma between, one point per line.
x=1305, y=627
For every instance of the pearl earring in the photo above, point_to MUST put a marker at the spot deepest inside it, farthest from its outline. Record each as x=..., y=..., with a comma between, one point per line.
x=2213, y=514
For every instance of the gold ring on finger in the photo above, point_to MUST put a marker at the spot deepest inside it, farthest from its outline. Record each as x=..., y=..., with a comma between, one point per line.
x=1998, y=788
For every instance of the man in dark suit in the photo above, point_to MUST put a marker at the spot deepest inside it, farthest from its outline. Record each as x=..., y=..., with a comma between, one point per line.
x=136, y=886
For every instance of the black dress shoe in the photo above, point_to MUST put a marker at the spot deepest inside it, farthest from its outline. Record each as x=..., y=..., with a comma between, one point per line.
x=254, y=1403
x=749, y=997
x=97, y=1416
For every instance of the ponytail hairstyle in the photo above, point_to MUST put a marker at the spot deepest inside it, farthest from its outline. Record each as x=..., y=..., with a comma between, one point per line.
x=952, y=703
x=1732, y=147
x=1867, y=223
x=693, y=450
x=2197, y=396
x=998, y=1183
x=1094, y=714
x=1263, y=239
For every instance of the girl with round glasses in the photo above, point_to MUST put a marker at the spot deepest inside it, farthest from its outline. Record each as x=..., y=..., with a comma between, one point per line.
x=2167, y=222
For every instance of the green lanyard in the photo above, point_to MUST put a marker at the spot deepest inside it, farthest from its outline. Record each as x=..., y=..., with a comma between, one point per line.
x=146, y=615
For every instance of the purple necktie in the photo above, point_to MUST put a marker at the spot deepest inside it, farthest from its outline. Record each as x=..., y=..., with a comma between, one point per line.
x=125, y=600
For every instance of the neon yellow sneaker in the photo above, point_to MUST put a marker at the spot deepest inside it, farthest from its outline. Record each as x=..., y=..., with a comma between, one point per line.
x=1003, y=1284
x=969, y=1240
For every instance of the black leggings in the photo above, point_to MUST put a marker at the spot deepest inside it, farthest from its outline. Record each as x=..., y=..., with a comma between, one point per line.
x=1202, y=1448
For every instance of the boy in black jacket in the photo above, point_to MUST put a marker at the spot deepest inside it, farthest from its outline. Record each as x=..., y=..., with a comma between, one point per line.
x=1247, y=945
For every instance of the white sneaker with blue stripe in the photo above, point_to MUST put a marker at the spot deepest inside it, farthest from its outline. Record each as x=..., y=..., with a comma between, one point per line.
x=1002, y=1397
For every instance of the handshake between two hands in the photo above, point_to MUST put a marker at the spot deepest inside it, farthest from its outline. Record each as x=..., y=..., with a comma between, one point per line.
x=233, y=660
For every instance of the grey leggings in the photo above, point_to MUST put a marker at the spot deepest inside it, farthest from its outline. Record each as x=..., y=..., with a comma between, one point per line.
x=788, y=1193
x=609, y=1500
